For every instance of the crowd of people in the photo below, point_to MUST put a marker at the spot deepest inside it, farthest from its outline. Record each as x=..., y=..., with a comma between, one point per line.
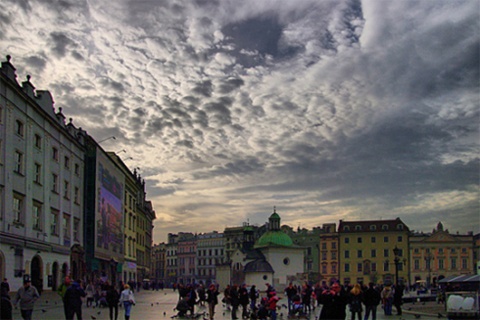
x=333, y=300
x=241, y=301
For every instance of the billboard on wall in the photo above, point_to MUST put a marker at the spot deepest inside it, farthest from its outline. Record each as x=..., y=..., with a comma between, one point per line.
x=110, y=183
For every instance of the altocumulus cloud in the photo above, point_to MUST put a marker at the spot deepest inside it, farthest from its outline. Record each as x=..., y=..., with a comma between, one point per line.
x=329, y=110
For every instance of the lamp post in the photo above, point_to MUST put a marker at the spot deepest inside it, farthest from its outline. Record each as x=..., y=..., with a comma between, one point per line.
x=428, y=258
x=111, y=137
x=396, y=253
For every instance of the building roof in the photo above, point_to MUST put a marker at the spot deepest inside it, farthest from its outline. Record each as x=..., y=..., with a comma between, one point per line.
x=259, y=265
x=395, y=225
x=274, y=238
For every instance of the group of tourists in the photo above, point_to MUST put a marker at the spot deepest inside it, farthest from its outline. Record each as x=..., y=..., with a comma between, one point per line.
x=103, y=294
x=335, y=299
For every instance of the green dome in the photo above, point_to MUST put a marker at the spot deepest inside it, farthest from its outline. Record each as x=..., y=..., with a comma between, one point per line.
x=274, y=238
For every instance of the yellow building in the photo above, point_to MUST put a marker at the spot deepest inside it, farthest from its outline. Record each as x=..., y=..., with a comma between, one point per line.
x=373, y=251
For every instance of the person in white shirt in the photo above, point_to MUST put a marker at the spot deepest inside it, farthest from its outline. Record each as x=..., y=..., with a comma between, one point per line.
x=127, y=298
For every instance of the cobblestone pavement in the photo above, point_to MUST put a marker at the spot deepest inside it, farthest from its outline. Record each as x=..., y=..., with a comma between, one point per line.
x=160, y=305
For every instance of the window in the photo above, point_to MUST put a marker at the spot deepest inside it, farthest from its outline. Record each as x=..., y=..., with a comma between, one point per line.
x=324, y=255
x=76, y=229
x=416, y=264
x=359, y=240
x=324, y=269
x=399, y=226
x=76, y=195
x=54, y=222
x=385, y=253
x=374, y=266
x=18, y=162
x=334, y=255
x=38, y=141
x=441, y=264
x=54, y=183
x=373, y=253
x=37, y=216
x=347, y=267
x=324, y=246
x=374, y=239
x=399, y=239
x=359, y=267
x=347, y=254
x=18, y=209
x=385, y=239
x=347, y=240
x=373, y=227
x=66, y=189
x=55, y=154
x=453, y=263
x=358, y=227
x=66, y=226
x=416, y=250
x=464, y=263
x=334, y=246
x=77, y=169
x=385, y=266
x=19, y=128
x=334, y=268
x=384, y=227
x=67, y=163
x=359, y=253
x=346, y=228
x=38, y=173
x=440, y=250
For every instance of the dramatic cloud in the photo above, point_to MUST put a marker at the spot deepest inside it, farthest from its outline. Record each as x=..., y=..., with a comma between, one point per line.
x=327, y=110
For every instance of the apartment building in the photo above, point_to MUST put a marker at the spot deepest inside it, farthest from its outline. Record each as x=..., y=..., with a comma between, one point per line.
x=373, y=251
x=41, y=186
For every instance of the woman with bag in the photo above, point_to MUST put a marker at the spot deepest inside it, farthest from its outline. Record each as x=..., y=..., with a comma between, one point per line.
x=127, y=298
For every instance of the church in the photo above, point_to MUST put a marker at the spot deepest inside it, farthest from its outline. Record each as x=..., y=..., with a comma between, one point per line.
x=272, y=259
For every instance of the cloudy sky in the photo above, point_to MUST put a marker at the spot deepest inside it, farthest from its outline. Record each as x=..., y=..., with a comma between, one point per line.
x=328, y=110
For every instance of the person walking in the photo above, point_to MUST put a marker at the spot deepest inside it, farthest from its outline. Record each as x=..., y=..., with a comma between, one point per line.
x=387, y=300
x=397, y=298
x=73, y=300
x=243, y=299
x=5, y=285
x=113, y=298
x=371, y=300
x=26, y=295
x=253, y=298
x=90, y=291
x=290, y=292
x=234, y=300
x=128, y=300
x=334, y=301
x=5, y=305
x=355, y=299
x=62, y=289
x=212, y=300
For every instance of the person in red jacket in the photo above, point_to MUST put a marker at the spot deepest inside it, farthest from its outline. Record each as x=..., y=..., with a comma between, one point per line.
x=272, y=305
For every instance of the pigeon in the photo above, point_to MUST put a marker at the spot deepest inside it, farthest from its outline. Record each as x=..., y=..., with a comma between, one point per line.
x=93, y=317
x=158, y=303
x=43, y=310
x=99, y=312
x=152, y=304
x=46, y=301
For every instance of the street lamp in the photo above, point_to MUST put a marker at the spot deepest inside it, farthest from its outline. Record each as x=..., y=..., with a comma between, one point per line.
x=396, y=253
x=111, y=137
x=428, y=258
